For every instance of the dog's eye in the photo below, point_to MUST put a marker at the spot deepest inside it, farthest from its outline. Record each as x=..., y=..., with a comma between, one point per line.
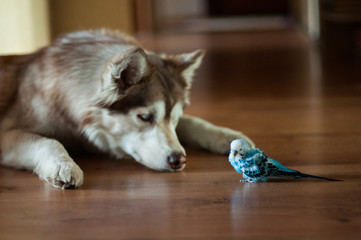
x=146, y=117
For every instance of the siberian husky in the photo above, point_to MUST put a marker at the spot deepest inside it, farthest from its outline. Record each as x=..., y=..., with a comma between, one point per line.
x=102, y=89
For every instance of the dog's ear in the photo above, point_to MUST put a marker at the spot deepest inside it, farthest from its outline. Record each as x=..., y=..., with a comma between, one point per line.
x=187, y=64
x=125, y=70
x=191, y=62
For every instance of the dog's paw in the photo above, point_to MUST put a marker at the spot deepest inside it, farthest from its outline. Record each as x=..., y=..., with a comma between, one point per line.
x=65, y=174
x=226, y=136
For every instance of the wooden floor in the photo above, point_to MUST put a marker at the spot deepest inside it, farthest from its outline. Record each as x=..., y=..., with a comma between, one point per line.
x=302, y=109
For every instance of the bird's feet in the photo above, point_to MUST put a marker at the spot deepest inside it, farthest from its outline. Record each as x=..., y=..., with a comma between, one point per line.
x=246, y=180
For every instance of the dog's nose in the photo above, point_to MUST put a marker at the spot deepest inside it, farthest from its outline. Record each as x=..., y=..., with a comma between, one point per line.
x=177, y=160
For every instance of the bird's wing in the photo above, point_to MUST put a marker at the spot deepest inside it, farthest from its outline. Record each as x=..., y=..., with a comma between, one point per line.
x=276, y=169
x=255, y=166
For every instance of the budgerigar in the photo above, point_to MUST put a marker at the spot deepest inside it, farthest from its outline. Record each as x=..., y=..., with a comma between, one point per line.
x=257, y=167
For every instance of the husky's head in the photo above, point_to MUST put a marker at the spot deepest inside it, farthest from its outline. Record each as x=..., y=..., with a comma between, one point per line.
x=141, y=99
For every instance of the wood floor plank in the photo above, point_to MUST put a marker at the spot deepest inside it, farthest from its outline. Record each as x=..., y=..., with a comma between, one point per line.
x=301, y=109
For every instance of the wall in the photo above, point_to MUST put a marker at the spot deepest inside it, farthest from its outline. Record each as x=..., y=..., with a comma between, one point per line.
x=23, y=25
x=170, y=12
x=70, y=15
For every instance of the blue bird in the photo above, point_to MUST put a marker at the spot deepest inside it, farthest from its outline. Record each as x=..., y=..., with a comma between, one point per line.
x=257, y=167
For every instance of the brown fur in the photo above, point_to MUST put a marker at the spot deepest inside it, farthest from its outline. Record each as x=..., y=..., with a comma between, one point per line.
x=103, y=88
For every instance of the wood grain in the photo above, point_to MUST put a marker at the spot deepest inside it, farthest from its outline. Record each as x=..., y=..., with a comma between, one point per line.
x=301, y=109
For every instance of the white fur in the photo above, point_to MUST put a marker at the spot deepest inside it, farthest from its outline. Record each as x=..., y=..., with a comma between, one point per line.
x=63, y=91
x=148, y=143
x=188, y=73
x=46, y=157
x=202, y=134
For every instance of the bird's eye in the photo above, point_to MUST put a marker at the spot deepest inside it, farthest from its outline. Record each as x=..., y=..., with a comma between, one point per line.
x=146, y=117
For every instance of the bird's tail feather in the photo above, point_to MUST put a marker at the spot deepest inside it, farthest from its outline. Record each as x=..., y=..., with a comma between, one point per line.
x=318, y=177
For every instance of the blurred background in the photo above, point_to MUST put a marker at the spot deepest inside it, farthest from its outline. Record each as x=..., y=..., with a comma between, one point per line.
x=26, y=25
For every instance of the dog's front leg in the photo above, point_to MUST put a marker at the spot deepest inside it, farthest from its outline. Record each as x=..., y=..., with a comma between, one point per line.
x=197, y=132
x=44, y=156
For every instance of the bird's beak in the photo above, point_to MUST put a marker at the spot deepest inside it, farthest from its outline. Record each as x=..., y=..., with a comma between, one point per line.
x=234, y=153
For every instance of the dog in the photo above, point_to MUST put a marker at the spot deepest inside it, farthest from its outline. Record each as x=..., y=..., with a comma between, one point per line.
x=101, y=89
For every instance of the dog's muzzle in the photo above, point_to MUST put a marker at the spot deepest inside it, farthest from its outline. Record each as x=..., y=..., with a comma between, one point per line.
x=177, y=160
